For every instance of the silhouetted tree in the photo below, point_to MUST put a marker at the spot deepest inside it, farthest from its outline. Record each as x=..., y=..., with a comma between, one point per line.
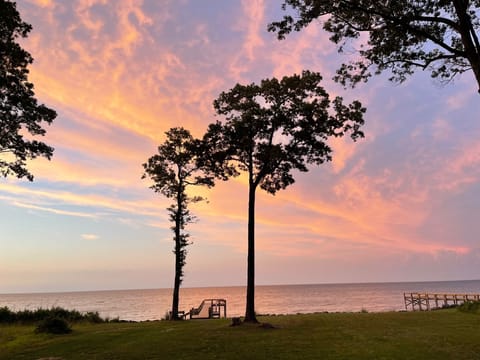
x=21, y=117
x=402, y=35
x=172, y=170
x=269, y=131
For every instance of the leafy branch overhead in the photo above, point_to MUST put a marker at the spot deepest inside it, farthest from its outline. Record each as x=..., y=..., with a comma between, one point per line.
x=21, y=117
x=403, y=36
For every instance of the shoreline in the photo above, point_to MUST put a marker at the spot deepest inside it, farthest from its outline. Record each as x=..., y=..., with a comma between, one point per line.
x=77, y=291
x=152, y=304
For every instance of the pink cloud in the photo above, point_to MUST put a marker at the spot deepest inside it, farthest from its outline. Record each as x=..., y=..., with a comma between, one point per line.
x=462, y=168
x=254, y=11
x=120, y=77
x=306, y=50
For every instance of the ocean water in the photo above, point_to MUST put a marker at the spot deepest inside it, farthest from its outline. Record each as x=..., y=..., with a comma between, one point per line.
x=141, y=305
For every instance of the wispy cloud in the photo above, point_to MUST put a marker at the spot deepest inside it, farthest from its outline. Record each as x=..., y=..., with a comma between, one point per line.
x=89, y=236
x=52, y=210
x=97, y=205
x=121, y=73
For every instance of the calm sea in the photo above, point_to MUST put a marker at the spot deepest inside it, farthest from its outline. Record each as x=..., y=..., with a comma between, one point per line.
x=152, y=304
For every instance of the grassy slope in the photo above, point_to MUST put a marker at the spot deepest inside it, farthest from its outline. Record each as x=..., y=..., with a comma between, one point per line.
x=427, y=335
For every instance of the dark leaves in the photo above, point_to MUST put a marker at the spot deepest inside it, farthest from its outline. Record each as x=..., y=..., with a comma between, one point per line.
x=21, y=117
x=402, y=36
x=276, y=127
x=175, y=165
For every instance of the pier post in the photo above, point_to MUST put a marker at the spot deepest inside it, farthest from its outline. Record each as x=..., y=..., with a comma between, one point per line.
x=422, y=300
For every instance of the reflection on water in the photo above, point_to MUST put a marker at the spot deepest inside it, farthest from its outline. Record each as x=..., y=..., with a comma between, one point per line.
x=276, y=299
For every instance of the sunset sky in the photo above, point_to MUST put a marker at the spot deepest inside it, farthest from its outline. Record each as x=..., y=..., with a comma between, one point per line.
x=403, y=204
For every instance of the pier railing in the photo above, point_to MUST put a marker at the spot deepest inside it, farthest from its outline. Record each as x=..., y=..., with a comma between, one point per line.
x=427, y=301
x=209, y=309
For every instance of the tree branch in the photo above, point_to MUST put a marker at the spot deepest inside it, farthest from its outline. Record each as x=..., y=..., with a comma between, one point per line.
x=405, y=23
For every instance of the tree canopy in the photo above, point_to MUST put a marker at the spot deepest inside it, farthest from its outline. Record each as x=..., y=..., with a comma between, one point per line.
x=439, y=36
x=173, y=169
x=21, y=117
x=269, y=131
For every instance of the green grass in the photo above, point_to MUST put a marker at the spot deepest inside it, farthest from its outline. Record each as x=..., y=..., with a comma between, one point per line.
x=448, y=334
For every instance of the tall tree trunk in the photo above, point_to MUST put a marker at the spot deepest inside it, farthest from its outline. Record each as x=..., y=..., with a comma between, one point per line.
x=178, y=259
x=469, y=38
x=250, y=308
x=176, y=291
x=176, y=286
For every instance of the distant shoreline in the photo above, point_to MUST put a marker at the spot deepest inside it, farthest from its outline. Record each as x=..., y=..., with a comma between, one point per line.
x=236, y=286
x=153, y=304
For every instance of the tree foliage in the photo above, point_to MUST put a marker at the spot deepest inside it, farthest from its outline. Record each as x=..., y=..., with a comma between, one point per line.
x=21, y=117
x=271, y=130
x=440, y=36
x=173, y=169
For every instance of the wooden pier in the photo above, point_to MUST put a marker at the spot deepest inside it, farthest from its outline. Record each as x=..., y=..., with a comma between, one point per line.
x=426, y=301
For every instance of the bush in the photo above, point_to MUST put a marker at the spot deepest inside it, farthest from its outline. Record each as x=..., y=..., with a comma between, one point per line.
x=472, y=307
x=33, y=316
x=94, y=317
x=53, y=325
x=7, y=316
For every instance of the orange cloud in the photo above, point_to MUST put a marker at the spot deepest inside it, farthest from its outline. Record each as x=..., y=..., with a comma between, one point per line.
x=120, y=77
x=43, y=3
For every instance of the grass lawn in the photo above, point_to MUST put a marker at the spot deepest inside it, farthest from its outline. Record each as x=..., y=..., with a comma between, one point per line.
x=447, y=334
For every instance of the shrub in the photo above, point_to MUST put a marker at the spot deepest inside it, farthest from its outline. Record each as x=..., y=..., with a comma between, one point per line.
x=116, y=320
x=33, y=316
x=53, y=325
x=7, y=316
x=472, y=307
x=69, y=315
x=94, y=317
